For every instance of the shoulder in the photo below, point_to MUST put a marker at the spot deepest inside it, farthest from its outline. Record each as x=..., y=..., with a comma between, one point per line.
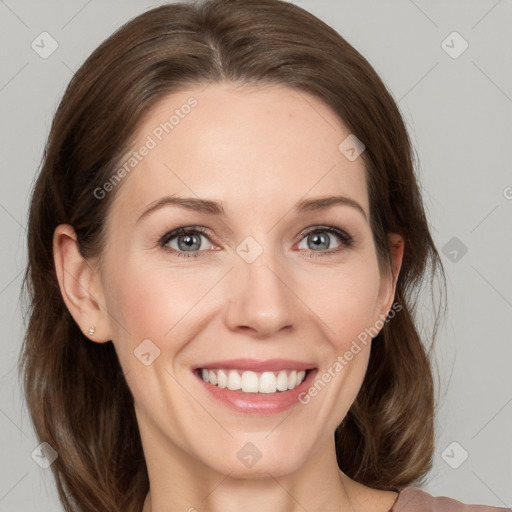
x=413, y=499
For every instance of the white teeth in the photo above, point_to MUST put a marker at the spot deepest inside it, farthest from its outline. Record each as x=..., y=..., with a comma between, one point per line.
x=282, y=381
x=222, y=379
x=292, y=380
x=234, y=380
x=249, y=382
x=267, y=383
x=253, y=382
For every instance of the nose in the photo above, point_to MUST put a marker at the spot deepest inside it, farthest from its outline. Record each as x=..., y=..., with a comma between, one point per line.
x=261, y=301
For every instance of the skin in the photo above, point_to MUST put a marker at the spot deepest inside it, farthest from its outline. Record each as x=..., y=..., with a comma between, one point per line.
x=258, y=151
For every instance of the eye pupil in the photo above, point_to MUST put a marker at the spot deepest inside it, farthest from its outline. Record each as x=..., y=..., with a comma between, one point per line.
x=189, y=241
x=319, y=240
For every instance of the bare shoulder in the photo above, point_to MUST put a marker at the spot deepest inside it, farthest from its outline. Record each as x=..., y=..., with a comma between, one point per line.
x=414, y=499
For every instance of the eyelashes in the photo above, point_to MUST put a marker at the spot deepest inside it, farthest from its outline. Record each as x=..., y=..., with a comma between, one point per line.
x=347, y=241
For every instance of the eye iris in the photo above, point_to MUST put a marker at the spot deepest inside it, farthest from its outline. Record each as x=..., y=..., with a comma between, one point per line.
x=322, y=239
x=190, y=241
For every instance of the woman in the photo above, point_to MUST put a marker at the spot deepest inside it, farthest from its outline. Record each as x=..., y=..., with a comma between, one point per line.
x=225, y=241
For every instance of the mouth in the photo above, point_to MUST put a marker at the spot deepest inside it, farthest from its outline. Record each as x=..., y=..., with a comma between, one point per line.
x=252, y=386
x=252, y=382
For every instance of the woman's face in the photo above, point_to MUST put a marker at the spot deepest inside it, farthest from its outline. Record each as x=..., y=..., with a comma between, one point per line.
x=254, y=276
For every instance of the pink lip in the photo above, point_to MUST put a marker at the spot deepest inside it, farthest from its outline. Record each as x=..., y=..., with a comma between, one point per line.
x=256, y=365
x=258, y=403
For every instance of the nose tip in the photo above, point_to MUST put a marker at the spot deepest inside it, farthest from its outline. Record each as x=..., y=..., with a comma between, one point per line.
x=260, y=300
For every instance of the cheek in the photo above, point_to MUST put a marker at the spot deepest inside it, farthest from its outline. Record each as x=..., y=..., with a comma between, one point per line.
x=148, y=310
x=344, y=299
x=152, y=301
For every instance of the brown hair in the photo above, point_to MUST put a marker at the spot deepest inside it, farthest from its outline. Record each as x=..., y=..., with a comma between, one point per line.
x=386, y=440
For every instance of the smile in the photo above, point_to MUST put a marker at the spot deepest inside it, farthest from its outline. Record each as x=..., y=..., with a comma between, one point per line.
x=255, y=386
x=253, y=382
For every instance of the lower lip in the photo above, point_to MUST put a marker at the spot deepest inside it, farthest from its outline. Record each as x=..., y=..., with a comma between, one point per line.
x=259, y=403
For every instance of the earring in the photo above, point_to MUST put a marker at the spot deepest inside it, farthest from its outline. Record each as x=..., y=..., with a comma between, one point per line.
x=92, y=330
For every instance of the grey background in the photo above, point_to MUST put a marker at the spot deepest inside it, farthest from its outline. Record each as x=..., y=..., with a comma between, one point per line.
x=459, y=114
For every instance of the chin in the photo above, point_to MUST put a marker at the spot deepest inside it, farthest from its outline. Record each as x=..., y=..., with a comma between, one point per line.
x=254, y=460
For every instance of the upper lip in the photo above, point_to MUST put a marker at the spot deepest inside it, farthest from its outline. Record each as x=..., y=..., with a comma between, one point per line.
x=257, y=365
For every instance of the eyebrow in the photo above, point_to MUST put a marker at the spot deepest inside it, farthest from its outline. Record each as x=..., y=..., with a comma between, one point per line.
x=215, y=207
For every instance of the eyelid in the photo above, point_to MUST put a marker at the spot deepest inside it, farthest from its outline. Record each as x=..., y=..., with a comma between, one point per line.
x=186, y=230
x=323, y=227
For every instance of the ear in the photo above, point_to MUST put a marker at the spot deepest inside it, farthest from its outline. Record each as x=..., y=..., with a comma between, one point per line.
x=79, y=285
x=389, y=279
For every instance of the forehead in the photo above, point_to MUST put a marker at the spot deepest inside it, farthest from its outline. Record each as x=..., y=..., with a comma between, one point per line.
x=254, y=148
